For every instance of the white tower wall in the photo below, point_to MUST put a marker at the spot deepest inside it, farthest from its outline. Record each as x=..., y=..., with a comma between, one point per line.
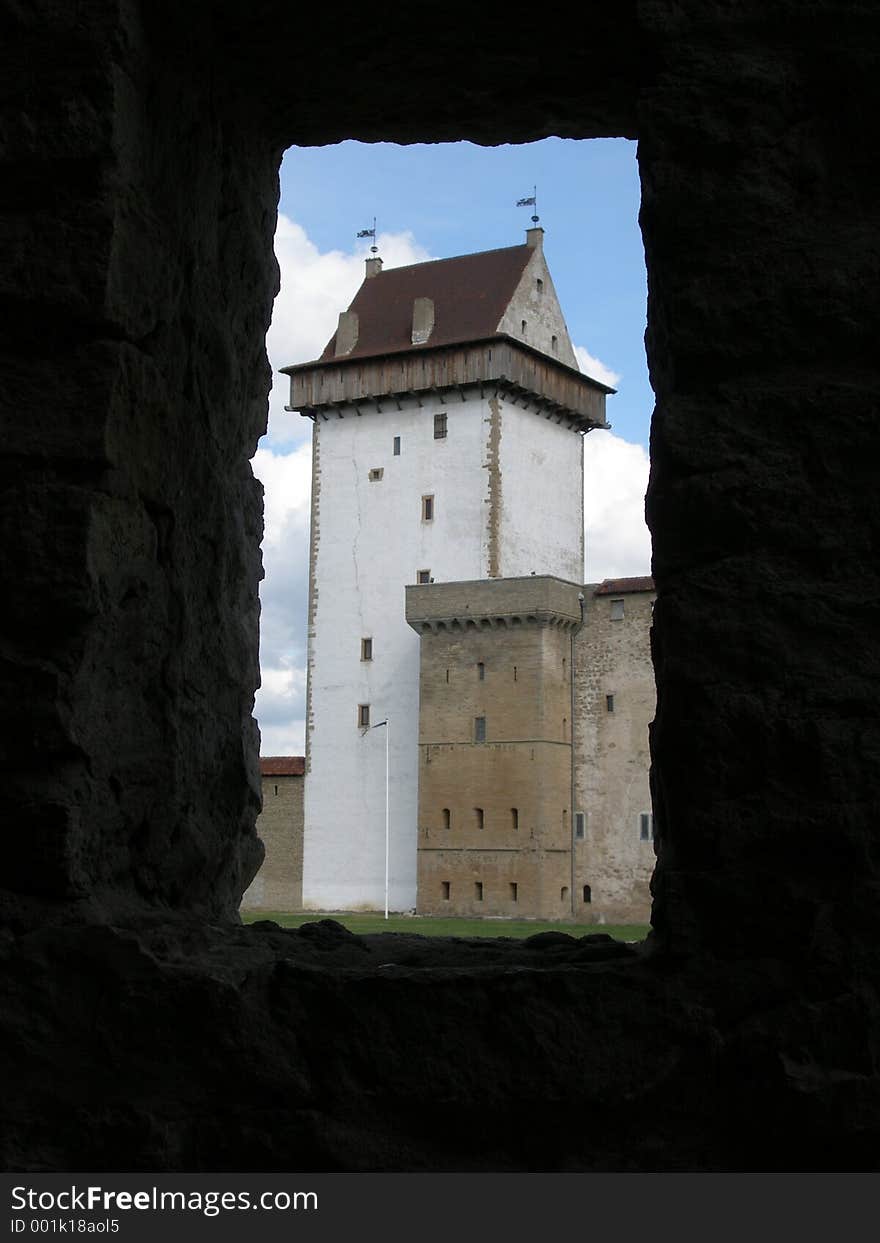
x=508, y=494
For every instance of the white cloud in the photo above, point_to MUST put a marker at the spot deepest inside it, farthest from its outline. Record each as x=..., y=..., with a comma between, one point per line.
x=618, y=543
x=595, y=368
x=315, y=287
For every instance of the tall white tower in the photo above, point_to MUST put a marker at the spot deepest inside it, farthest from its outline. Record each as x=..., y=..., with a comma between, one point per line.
x=448, y=416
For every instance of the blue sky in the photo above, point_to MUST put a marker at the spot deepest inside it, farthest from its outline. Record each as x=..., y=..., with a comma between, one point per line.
x=434, y=201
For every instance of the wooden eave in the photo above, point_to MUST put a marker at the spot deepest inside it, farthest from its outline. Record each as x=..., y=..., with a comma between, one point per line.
x=499, y=361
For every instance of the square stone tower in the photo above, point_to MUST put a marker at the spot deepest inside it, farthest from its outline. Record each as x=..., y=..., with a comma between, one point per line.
x=448, y=417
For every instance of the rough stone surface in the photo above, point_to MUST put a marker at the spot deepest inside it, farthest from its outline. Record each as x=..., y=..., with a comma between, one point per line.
x=140, y=148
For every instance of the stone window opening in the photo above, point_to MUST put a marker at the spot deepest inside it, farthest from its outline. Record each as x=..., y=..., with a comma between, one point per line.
x=588, y=894
x=479, y=729
x=479, y=817
x=514, y=818
x=514, y=673
x=554, y=344
x=276, y=789
x=363, y=716
x=440, y=426
x=524, y=327
x=481, y=671
x=646, y=827
x=539, y=285
x=579, y=821
x=514, y=891
x=376, y=474
x=563, y=893
x=609, y=703
x=427, y=509
x=366, y=649
x=445, y=890
x=423, y=576
x=396, y=446
x=478, y=890
x=617, y=610
x=447, y=818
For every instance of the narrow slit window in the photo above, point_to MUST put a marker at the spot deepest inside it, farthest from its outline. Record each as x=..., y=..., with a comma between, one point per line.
x=609, y=703
x=479, y=817
x=514, y=817
x=539, y=285
x=396, y=446
x=447, y=818
x=478, y=890
x=427, y=508
x=444, y=890
x=364, y=716
x=479, y=729
x=366, y=649
x=563, y=893
x=440, y=426
x=588, y=894
x=276, y=789
x=646, y=827
x=447, y=675
x=514, y=891
x=514, y=673
x=523, y=327
x=554, y=345
x=579, y=819
x=481, y=671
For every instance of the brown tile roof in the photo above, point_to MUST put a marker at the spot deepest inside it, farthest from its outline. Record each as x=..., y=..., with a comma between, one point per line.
x=470, y=295
x=282, y=765
x=620, y=586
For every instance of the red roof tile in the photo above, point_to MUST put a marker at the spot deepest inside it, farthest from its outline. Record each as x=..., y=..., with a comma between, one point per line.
x=282, y=765
x=470, y=295
x=620, y=586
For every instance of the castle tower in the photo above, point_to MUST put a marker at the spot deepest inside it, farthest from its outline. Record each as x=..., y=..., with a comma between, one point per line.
x=448, y=413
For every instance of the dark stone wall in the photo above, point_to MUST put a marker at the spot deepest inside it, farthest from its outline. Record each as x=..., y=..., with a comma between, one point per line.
x=140, y=147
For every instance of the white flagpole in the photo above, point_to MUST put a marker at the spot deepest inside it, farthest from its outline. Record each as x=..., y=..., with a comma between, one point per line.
x=387, y=810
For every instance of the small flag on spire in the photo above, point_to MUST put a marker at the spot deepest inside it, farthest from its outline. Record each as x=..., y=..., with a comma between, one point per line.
x=374, y=249
x=531, y=201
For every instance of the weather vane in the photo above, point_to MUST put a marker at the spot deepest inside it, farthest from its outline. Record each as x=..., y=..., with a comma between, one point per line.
x=374, y=249
x=531, y=202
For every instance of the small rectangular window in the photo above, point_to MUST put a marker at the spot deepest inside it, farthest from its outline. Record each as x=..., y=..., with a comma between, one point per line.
x=444, y=889
x=514, y=891
x=617, y=610
x=514, y=673
x=479, y=817
x=447, y=818
x=424, y=576
x=514, y=817
x=609, y=703
x=376, y=474
x=481, y=671
x=646, y=827
x=366, y=649
x=364, y=716
x=276, y=789
x=397, y=446
x=439, y=426
x=478, y=890
x=579, y=825
x=427, y=508
x=479, y=729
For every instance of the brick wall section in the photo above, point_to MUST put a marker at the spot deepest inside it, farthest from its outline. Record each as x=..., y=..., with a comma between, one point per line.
x=612, y=760
x=525, y=761
x=278, y=884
